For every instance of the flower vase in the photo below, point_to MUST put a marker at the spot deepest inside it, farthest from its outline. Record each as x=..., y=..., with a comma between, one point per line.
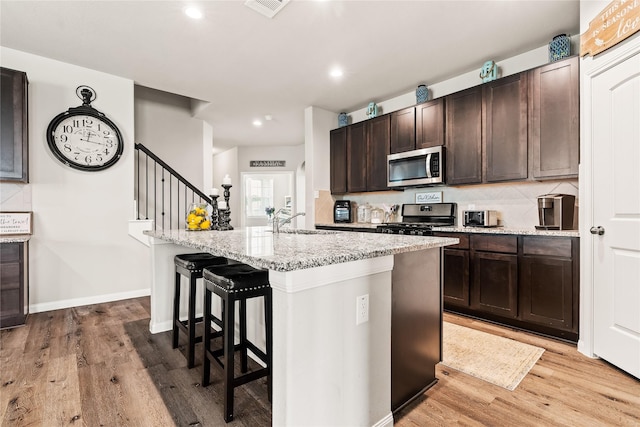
x=198, y=217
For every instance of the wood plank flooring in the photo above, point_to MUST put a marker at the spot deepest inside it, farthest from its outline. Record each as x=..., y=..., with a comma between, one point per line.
x=564, y=388
x=99, y=365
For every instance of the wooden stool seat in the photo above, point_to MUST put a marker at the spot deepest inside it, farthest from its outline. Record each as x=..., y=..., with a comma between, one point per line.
x=190, y=266
x=236, y=282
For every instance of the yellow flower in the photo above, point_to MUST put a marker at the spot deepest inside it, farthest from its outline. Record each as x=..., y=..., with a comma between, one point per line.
x=205, y=225
x=192, y=226
x=191, y=217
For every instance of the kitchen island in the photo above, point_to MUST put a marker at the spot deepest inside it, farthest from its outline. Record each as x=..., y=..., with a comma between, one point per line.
x=327, y=369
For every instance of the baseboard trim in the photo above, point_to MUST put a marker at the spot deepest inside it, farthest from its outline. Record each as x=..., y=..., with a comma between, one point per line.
x=387, y=421
x=97, y=299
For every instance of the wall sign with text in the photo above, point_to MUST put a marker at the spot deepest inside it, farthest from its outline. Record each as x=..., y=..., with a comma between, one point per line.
x=267, y=163
x=618, y=21
x=432, y=197
x=15, y=223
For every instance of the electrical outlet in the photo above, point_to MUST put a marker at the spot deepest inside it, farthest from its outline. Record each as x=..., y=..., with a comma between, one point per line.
x=362, y=309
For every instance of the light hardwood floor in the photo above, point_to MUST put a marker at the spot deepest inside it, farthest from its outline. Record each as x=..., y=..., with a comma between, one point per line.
x=99, y=365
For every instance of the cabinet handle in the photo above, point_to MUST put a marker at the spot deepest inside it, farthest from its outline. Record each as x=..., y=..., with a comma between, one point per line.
x=597, y=230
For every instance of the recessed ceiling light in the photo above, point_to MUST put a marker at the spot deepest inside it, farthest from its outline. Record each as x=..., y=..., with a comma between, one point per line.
x=193, y=12
x=257, y=123
x=335, y=72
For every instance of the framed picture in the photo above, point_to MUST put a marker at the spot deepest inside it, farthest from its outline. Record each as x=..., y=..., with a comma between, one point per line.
x=16, y=223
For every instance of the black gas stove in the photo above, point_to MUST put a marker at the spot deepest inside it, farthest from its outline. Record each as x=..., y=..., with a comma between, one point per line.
x=421, y=219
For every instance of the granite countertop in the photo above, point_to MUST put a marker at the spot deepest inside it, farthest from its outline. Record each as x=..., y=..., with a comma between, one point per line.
x=15, y=239
x=526, y=231
x=297, y=249
x=532, y=231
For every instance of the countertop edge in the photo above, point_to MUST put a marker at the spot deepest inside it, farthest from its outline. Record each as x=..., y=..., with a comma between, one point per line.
x=341, y=255
x=478, y=230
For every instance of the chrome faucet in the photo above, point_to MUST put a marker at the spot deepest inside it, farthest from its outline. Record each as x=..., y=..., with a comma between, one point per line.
x=278, y=221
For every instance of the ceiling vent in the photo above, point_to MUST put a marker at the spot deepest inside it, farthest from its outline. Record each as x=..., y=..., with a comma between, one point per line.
x=268, y=8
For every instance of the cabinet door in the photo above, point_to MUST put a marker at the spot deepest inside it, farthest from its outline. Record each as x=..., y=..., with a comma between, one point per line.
x=505, y=128
x=357, y=157
x=546, y=291
x=549, y=282
x=403, y=130
x=378, y=150
x=464, y=136
x=13, y=284
x=456, y=277
x=430, y=124
x=554, y=119
x=338, y=160
x=495, y=283
x=14, y=142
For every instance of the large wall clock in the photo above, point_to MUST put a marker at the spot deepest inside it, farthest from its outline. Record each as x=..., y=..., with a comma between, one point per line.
x=83, y=137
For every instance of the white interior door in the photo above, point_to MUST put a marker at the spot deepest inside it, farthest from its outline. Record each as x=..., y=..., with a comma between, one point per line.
x=616, y=213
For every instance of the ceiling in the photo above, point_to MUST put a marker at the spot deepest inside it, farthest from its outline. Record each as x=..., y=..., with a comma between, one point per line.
x=245, y=65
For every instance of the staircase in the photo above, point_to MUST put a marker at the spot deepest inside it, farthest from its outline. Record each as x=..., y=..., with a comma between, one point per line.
x=162, y=195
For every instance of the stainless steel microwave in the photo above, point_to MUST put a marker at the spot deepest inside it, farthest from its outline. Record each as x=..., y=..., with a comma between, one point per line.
x=416, y=168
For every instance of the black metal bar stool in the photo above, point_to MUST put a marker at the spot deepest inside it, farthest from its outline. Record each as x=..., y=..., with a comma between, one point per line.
x=236, y=282
x=190, y=266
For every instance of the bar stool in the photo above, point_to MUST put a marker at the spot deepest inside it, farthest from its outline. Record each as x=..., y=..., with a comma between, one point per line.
x=190, y=266
x=237, y=282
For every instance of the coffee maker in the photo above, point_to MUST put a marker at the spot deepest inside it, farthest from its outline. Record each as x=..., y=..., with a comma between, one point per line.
x=555, y=211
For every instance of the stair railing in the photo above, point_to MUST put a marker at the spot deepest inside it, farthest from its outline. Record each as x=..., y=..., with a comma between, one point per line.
x=161, y=193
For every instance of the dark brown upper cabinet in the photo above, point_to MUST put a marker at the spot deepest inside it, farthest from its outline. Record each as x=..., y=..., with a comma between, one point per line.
x=430, y=124
x=14, y=134
x=504, y=126
x=554, y=130
x=357, y=157
x=418, y=127
x=338, y=160
x=464, y=136
x=403, y=130
x=379, y=130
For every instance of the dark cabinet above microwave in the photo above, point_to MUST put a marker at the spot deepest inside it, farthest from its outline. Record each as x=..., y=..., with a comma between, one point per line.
x=418, y=127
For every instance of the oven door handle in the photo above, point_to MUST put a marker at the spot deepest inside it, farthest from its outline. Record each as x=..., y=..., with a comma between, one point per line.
x=428, y=165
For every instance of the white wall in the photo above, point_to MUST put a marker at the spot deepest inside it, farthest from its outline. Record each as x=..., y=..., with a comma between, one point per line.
x=317, y=124
x=80, y=251
x=164, y=124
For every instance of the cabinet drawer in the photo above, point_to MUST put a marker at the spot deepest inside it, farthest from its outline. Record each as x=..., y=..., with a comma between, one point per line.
x=551, y=246
x=492, y=243
x=464, y=239
x=9, y=252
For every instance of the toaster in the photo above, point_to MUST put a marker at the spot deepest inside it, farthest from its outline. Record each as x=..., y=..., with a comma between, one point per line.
x=480, y=218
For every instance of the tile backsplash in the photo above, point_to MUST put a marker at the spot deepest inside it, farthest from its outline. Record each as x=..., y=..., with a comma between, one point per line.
x=516, y=203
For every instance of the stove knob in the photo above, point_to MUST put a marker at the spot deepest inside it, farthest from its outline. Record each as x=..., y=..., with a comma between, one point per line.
x=420, y=233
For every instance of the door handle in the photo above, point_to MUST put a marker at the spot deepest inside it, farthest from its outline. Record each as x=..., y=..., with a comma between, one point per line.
x=597, y=230
x=428, y=165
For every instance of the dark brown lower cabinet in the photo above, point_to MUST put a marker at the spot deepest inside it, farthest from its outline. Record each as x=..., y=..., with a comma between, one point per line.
x=14, y=287
x=495, y=283
x=529, y=282
x=548, y=296
x=456, y=268
x=456, y=278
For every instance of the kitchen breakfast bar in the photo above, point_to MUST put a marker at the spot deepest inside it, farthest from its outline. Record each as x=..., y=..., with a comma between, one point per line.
x=327, y=369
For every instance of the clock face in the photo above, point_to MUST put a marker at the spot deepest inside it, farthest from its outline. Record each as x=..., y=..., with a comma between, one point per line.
x=84, y=140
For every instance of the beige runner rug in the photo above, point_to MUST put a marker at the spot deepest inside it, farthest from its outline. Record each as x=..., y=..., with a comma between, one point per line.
x=500, y=361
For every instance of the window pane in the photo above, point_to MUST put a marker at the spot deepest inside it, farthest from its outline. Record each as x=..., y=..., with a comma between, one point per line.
x=259, y=195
